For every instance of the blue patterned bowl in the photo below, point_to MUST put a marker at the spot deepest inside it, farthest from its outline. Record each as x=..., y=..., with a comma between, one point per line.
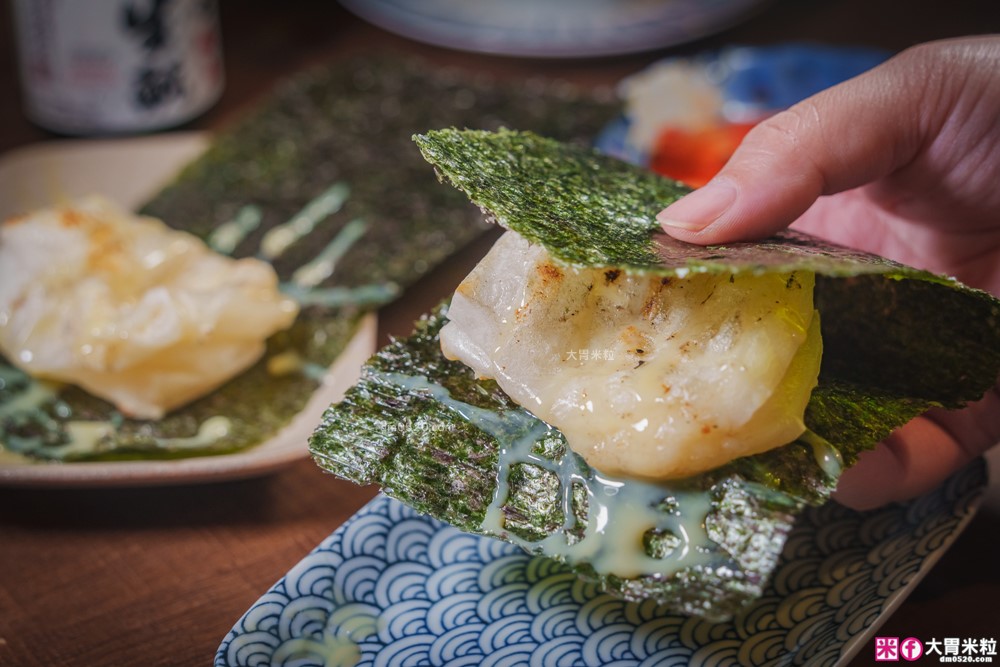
x=392, y=587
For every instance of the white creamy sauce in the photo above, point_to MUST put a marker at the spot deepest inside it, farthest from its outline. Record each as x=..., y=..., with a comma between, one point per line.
x=336, y=297
x=290, y=361
x=304, y=284
x=620, y=513
x=228, y=235
x=82, y=437
x=280, y=238
x=651, y=377
x=32, y=398
x=338, y=645
x=322, y=267
x=85, y=437
x=210, y=431
x=329, y=651
x=827, y=457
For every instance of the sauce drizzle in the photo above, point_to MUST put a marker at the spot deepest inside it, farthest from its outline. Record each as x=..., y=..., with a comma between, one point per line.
x=228, y=235
x=279, y=238
x=321, y=268
x=620, y=515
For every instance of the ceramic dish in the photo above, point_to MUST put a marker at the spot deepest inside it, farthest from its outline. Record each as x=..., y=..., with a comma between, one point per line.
x=131, y=171
x=392, y=587
x=284, y=448
x=553, y=28
x=684, y=116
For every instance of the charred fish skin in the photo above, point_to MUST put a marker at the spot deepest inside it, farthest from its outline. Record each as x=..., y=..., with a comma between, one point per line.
x=646, y=377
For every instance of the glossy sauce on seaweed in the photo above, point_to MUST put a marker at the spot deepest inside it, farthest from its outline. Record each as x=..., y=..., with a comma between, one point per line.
x=620, y=513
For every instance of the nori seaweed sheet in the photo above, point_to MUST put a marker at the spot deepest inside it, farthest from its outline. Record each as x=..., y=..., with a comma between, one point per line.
x=353, y=122
x=349, y=122
x=898, y=329
x=427, y=456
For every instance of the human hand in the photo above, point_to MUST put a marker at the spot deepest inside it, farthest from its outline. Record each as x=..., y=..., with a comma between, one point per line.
x=902, y=161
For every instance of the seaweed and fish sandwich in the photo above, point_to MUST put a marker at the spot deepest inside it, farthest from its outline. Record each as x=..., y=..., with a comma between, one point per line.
x=651, y=413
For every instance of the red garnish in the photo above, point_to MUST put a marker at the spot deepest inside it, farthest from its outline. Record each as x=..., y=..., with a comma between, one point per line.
x=694, y=157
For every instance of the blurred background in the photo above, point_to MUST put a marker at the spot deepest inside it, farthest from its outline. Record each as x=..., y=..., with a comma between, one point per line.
x=261, y=43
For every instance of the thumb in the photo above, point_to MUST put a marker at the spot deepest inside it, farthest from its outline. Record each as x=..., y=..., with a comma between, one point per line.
x=844, y=137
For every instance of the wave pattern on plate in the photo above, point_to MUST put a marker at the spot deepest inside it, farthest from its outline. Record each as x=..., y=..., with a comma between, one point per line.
x=392, y=587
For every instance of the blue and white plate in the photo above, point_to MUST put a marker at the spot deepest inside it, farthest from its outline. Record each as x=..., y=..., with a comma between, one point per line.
x=392, y=587
x=736, y=85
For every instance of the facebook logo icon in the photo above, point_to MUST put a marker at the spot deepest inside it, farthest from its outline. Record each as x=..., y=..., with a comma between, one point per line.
x=911, y=648
x=891, y=649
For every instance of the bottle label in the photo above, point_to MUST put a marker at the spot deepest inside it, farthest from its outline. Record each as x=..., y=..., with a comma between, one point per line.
x=117, y=66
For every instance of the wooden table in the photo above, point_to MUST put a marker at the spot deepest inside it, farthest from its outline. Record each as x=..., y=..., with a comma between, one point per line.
x=157, y=576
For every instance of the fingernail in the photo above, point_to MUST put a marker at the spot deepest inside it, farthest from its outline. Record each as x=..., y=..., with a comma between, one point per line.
x=698, y=209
